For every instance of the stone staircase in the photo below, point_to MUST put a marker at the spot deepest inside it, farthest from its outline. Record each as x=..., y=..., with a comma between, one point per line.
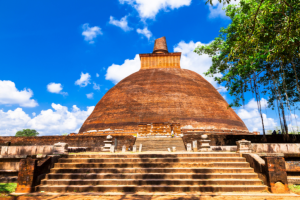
x=185, y=172
x=160, y=143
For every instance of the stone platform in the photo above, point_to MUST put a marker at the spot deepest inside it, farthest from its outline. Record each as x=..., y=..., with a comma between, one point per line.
x=152, y=172
x=160, y=143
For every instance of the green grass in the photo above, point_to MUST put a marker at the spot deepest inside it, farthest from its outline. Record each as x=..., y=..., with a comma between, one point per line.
x=7, y=187
x=295, y=188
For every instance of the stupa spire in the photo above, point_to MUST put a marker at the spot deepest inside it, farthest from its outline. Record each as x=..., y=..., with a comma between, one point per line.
x=160, y=45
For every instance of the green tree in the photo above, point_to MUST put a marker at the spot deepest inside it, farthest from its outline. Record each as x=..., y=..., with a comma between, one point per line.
x=259, y=52
x=27, y=133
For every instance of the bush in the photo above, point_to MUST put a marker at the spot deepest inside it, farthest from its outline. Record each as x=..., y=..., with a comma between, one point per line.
x=27, y=133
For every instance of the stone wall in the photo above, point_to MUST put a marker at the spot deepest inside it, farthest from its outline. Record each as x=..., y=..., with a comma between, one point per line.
x=276, y=148
x=26, y=150
x=93, y=143
x=230, y=140
x=10, y=163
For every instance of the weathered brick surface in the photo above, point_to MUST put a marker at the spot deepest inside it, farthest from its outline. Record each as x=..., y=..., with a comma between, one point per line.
x=152, y=61
x=163, y=95
x=27, y=175
x=276, y=174
x=92, y=142
x=220, y=140
x=160, y=45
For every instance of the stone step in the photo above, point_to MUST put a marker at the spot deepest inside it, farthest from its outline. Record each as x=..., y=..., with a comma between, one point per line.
x=151, y=188
x=152, y=165
x=151, y=160
x=159, y=139
x=152, y=176
x=175, y=155
x=153, y=170
x=139, y=182
x=159, y=144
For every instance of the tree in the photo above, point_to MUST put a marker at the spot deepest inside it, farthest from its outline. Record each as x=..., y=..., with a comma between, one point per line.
x=259, y=52
x=27, y=133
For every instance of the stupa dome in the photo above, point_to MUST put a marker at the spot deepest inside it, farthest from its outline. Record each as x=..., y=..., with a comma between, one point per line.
x=162, y=92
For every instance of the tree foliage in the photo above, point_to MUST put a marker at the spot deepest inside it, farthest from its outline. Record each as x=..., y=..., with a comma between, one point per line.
x=259, y=52
x=27, y=133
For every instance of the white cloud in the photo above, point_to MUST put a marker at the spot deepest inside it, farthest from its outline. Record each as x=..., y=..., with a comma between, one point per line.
x=144, y=32
x=253, y=104
x=84, y=80
x=53, y=121
x=10, y=95
x=115, y=73
x=56, y=88
x=97, y=75
x=196, y=63
x=189, y=60
x=217, y=9
x=122, y=23
x=90, y=95
x=96, y=86
x=34, y=114
x=252, y=119
x=90, y=33
x=149, y=8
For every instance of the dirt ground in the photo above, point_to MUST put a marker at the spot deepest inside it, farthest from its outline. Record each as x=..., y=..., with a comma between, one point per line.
x=153, y=197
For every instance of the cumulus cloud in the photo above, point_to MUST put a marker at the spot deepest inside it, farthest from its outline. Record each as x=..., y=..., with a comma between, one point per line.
x=97, y=75
x=189, y=60
x=56, y=88
x=145, y=32
x=217, y=10
x=115, y=73
x=84, y=80
x=96, y=86
x=90, y=95
x=53, y=121
x=194, y=62
x=90, y=33
x=253, y=104
x=10, y=95
x=122, y=23
x=251, y=117
x=149, y=8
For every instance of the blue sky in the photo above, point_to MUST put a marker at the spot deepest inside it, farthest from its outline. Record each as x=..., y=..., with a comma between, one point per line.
x=58, y=58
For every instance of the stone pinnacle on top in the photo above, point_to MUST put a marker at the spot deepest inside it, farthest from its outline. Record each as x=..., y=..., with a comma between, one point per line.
x=160, y=45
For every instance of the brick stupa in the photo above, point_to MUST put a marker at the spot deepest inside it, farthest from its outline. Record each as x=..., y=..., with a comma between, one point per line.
x=161, y=97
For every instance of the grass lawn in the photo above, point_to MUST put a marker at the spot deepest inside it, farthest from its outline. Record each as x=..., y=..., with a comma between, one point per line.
x=7, y=187
x=295, y=188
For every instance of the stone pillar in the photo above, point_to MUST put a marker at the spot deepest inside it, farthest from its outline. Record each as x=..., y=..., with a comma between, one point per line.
x=243, y=146
x=204, y=143
x=112, y=149
x=140, y=150
x=27, y=175
x=174, y=149
x=123, y=148
x=60, y=148
x=107, y=143
x=195, y=146
x=189, y=147
x=116, y=143
x=276, y=174
x=134, y=148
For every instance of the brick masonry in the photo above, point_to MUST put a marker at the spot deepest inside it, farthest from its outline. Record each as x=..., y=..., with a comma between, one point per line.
x=276, y=174
x=230, y=140
x=163, y=95
x=97, y=141
x=27, y=175
x=92, y=142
